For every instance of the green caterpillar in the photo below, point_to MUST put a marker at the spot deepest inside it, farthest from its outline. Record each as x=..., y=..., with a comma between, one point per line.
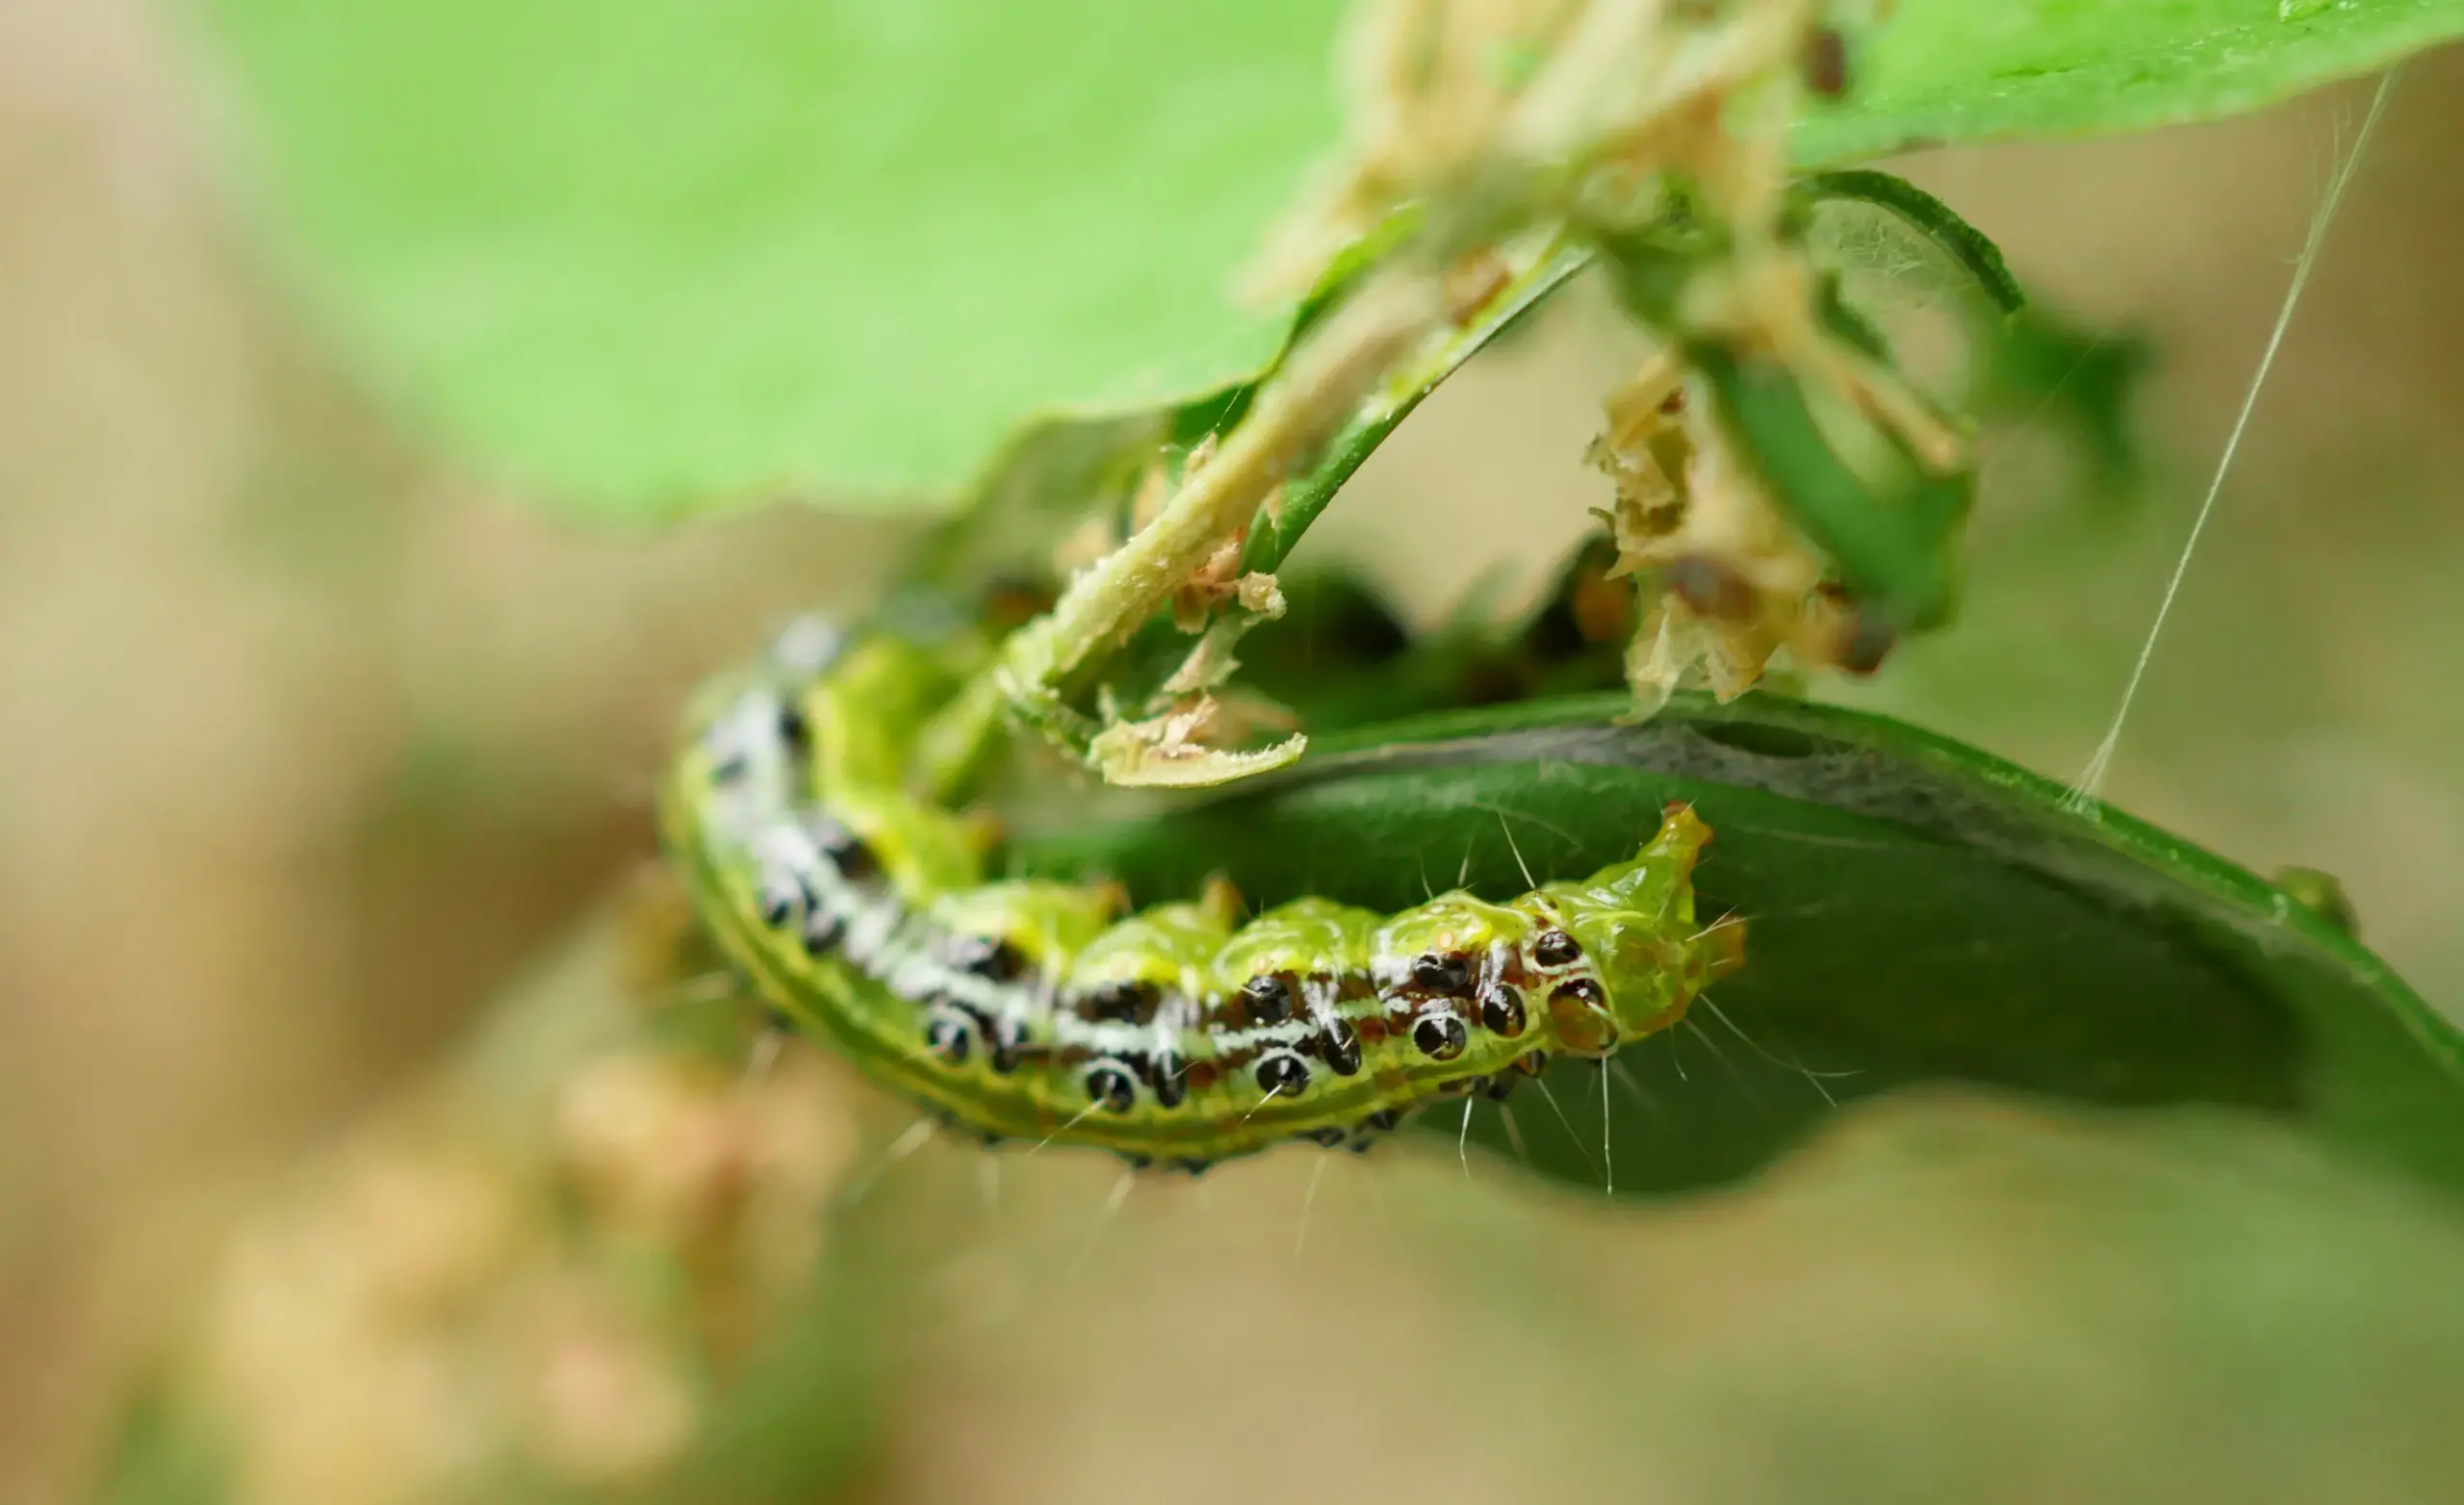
x=1036, y=1010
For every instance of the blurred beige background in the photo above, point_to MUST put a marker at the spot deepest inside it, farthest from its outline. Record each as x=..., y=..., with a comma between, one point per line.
x=308, y=745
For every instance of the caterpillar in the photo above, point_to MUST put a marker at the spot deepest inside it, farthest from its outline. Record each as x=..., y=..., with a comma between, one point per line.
x=1177, y=1034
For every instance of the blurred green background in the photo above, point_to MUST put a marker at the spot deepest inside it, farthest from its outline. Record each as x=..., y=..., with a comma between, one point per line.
x=310, y=746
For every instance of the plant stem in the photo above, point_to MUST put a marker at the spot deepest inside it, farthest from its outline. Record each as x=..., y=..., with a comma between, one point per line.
x=1325, y=382
x=1328, y=378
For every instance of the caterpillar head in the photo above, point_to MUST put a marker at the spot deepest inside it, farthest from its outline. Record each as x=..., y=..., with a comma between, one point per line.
x=1618, y=956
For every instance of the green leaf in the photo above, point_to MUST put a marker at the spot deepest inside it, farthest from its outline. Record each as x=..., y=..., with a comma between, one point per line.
x=1942, y=71
x=1918, y=911
x=650, y=257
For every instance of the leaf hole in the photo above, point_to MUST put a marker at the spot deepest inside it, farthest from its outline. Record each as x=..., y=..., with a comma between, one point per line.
x=1759, y=738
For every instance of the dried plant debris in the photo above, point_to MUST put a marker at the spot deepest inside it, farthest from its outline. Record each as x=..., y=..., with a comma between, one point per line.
x=1725, y=582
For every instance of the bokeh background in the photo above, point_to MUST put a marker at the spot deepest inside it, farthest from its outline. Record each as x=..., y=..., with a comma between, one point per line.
x=309, y=746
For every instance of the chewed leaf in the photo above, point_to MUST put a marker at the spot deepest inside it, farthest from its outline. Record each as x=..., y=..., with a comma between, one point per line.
x=1972, y=248
x=1141, y=755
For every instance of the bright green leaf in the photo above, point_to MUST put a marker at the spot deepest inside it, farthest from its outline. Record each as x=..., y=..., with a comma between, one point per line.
x=649, y=256
x=1942, y=71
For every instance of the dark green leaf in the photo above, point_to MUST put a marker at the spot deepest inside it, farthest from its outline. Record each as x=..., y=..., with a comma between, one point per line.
x=1918, y=911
